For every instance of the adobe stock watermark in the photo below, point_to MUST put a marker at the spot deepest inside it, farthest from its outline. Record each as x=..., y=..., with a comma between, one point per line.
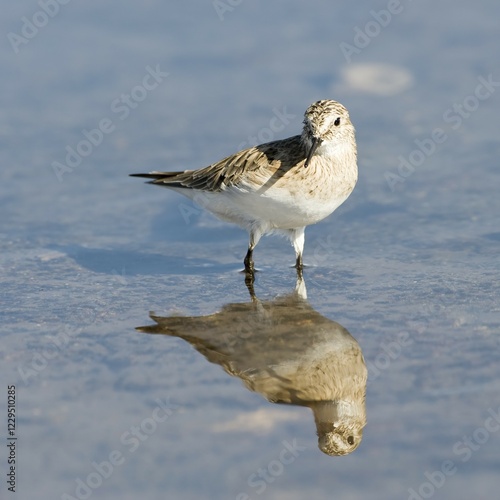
x=32, y=25
x=131, y=440
x=322, y=250
x=372, y=29
x=264, y=476
x=454, y=116
x=280, y=119
x=222, y=7
x=390, y=352
x=121, y=106
x=42, y=357
x=245, y=328
x=465, y=449
x=277, y=123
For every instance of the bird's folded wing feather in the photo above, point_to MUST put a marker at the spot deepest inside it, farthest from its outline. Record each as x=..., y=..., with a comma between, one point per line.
x=251, y=167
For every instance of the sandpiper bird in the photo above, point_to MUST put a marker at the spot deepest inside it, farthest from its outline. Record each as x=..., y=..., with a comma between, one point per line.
x=281, y=186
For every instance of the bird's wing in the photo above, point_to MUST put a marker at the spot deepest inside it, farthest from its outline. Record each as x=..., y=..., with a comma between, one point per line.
x=251, y=167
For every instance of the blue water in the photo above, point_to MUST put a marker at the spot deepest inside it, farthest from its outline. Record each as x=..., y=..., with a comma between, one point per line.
x=408, y=265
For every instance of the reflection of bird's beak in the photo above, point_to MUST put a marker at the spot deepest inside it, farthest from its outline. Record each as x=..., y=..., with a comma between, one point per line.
x=315, y=143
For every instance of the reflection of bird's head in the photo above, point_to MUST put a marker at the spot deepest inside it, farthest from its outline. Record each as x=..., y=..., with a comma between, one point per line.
x=340, y=440
x=339, y=426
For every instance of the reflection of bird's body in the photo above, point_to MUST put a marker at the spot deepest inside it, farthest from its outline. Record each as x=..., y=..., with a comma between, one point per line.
x=289, y=353
x=280, y=186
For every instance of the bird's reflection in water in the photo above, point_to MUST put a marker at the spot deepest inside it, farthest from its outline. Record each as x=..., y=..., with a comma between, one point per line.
x=289, y=353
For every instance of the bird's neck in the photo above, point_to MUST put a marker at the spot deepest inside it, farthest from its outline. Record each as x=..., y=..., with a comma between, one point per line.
x=330, y=149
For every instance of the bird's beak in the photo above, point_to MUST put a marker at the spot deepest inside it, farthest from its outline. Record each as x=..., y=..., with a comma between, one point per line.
x=315, y=143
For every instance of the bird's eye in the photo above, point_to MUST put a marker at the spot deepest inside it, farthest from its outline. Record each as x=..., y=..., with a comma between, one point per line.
x=350, y=439
x=337, y=122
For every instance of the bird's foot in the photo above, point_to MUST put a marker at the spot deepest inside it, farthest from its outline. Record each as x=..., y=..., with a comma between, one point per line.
x=299, y=266
x=248, y=261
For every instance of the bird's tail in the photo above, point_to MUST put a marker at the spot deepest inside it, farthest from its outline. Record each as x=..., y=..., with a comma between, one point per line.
x=156, y=175
x=166, y=179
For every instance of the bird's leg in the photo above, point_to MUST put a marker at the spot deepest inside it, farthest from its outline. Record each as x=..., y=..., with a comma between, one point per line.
x=299, y=266
x=297, y=237
x=255, y=235
x=250, y=272
x=249, y=266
